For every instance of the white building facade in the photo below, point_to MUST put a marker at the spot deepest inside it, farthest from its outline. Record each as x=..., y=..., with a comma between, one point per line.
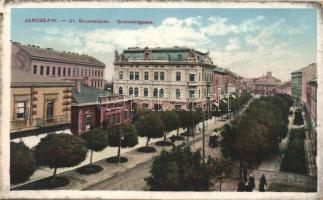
x=163, y=78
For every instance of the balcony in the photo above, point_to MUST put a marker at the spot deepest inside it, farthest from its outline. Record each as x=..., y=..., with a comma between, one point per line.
x=192, y=83
x=29, y=124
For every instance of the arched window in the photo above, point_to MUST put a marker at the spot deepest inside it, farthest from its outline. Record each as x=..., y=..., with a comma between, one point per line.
x=161, y=93
x=146, y=92
x=136, y=92
x=155, y=92
x=178, y=93
x=120, y=90
x=130, y=91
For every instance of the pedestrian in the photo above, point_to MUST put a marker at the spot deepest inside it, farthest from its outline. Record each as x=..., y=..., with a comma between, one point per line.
x=244, y=174
x=241, y=186
x=251, y=183
x=262, y=184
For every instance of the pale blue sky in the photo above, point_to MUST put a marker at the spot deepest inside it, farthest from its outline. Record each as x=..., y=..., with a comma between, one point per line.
x=247, y=41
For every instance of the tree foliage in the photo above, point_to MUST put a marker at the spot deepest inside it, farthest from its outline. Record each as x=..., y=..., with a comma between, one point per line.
x=96, y=140
x=22, y=162
x=60, y=150
x=150, y=126
x=180, y=170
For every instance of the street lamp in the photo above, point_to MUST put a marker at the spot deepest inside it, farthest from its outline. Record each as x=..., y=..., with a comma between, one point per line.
x=121, y=138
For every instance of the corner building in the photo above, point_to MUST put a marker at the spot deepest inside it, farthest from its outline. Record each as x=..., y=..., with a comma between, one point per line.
x=164, y=78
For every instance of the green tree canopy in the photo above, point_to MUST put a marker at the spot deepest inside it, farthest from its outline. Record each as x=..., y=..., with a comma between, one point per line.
x=96, y=140
x=60, y=150
x=180, y=170
x=22, y=162
x=150, y=126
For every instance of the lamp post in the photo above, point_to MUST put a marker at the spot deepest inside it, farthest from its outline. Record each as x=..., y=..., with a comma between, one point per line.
x=121, y=138
x=193, y=127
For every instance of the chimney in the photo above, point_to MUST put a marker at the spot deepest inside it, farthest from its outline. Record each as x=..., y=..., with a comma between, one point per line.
x=78, y=86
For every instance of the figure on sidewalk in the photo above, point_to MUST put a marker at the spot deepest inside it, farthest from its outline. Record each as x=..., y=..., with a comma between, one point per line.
x=241, y=186
x=251, y=183
x=262, y=184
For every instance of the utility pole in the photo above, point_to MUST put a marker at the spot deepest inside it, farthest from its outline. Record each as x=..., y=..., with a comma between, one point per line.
x=203, y=132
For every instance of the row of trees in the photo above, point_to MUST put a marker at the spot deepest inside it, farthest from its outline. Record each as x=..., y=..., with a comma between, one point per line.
x=234, y=103
x=257, y=132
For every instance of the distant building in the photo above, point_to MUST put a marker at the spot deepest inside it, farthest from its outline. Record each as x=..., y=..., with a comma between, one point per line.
x=163, y=78
x=285, y=88
x=218, y=84
x=300, y=79
x=63, y=65
x=87, y=113
x=266, y=85
x=247, y=84
x=231, y=81
x=38, y=104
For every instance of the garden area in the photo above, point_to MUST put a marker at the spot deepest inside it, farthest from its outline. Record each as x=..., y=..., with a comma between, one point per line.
x=294, y=157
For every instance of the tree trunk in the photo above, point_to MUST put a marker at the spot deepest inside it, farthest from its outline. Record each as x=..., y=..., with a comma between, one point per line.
x=55, y=169
x=165, y=133
x=119, y=150
x=177, y=132
x=91, y=157
x=240, y=167
x=187, y=133
x=147, y=141
x=220, y=184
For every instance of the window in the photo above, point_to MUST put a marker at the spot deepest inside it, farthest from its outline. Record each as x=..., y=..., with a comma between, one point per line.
x=35, y=69
x=161, y=93
x=162, y=76
x=50, y=109
x=131, y=76
x=73, y=71
x=178, y=93
x=21, y=110
x=59, y=71
x=41, y=70
x=136, y=92
x=64, y=71
x=192, y=94
x=136, y=75
x=82, y=72
x=47, y=70
x=178, y=76
x=120, y=90
x=192, y=77
x=121, y=75
x=69, y=72
x=54, y=71
x=155, y=92
x=146, y=76
x=146, y=92
x=155, y=76
x=130, y=91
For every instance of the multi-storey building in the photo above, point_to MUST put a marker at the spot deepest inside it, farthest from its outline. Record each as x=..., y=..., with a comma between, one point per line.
x=163, y=78
x=310, y=109
x=266, y=85
x=38, y=104
x=285, y=88
x=218, y=84
x=300, y=79
x=231, y=81
x=97, y=108
x=63, y=65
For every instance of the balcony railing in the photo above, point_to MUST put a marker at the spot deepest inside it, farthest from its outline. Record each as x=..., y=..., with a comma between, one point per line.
x=192, y=83
x=18, y=125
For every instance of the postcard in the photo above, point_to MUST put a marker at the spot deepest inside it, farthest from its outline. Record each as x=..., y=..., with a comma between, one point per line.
x=161, y=101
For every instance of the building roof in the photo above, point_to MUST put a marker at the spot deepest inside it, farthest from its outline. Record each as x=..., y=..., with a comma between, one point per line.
x=22, y=78
x=169, y=54
x=313, y=81
x=302, y=69
x=285, y=84
x=219, y=70
x=50, y=54
x=87, y=95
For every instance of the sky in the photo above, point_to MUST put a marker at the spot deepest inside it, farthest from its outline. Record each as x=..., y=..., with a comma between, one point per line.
x=249, y=42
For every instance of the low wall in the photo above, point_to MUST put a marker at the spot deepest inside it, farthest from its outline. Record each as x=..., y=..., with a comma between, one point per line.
x=286, y=178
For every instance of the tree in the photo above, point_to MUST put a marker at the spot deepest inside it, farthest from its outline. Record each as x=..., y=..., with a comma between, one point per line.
x=96, y=140
x=180, y=170
x=171, y=121
x=221, y=168
x=22, y=162
x=150, y=126
x=60, y=150
x=129, y=138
